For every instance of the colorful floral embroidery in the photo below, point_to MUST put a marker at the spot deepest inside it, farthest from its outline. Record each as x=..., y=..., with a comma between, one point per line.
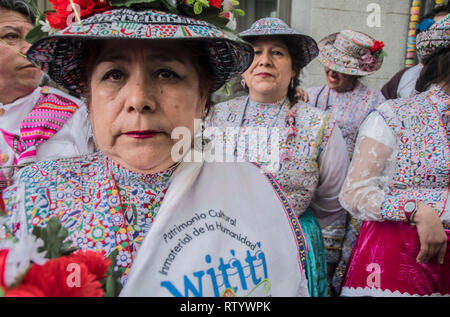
x=349, y=109
x=304, y=132
x=103, y=206
x=423, y=160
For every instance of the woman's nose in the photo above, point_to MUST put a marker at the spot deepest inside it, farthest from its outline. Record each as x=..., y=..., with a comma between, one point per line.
x=140, y=97
x=265, y=59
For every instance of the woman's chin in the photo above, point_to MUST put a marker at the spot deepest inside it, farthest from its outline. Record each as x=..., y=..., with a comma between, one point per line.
x=143, y=162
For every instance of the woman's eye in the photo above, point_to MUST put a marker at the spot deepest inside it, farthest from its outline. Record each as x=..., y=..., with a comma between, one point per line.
x=257, y=52
x=11, y=36
x=166, y=74
x=278, y=53
x=114, y=75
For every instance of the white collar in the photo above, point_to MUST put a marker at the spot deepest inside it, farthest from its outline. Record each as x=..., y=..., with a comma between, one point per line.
x=27, y=102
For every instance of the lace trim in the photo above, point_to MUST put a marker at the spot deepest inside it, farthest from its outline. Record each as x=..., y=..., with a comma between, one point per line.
x=377, y=292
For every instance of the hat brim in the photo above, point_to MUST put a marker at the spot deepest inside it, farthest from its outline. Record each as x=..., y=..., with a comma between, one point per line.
x=305, y=45
x=334, y=59
x=430, y=41
x=61, y=55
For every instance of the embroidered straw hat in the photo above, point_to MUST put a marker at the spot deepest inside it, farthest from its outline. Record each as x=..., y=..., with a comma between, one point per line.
x=436, y=37
x=305, y=45
x=59, y=54
x=350, y=52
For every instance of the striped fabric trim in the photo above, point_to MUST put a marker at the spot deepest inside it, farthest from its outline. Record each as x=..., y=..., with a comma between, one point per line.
x=48, y=116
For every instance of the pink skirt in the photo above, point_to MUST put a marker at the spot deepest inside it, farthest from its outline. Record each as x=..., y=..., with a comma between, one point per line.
x=383, y=263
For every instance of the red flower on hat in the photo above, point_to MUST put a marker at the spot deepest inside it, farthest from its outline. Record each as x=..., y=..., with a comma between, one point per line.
x=65, y=15
x=377, y=46
x=216, y=3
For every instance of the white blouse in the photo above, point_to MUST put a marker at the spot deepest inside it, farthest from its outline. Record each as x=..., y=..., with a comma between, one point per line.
x=74, y=139
x=372, y=169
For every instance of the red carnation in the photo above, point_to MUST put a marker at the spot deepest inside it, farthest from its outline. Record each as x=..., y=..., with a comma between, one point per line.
x=64, y=14
x=2, y=205
x=377, y=46
x=24, y=291
x=215, y=3
x=63, y=277
x=95, y=262
x=3, y=256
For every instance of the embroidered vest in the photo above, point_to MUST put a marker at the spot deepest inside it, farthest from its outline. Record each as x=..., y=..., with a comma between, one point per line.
x=423, y=159
x=304, y=132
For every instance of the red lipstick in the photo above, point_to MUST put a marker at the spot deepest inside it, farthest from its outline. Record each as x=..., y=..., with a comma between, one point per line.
x=264, y=75
x=146, y=134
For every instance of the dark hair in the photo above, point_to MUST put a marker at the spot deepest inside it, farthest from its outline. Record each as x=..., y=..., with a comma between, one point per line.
x=19, y=6
x=298, y=62
x=197, y=49
x=436, y=69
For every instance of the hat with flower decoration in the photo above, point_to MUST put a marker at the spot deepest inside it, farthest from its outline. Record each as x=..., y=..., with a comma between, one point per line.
x=58, y=41
x=306, y=46
x=351, y=52
x=436, y=37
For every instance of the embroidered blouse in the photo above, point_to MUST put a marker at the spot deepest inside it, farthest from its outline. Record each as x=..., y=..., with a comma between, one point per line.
x=69, y=135
x=103, y=205
x=313, y=160
x=349, y=109
x=402, y=155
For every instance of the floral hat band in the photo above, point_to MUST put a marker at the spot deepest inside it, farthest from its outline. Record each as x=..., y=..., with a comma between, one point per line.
x=352, y=53
x=306, y=45
x=436, y=37
x=60, y=52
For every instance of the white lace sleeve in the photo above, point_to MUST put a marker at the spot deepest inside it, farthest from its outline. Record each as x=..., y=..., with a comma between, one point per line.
x=371, y=170
x=333, y=164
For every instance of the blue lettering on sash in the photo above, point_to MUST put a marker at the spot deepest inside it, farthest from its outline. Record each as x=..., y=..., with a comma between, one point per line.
x=233, y=273
x=188, y=286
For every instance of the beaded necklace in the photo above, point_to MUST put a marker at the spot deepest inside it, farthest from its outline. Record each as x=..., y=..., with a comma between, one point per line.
x=118, y=203
x=241, y=125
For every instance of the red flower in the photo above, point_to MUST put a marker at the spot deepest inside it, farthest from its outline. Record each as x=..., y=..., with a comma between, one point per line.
x=216, y=3
x=65, y=15
x=63, y=277
x=377, y=46
x=95, y=262
x=2, y=205
x=3, y=256
x=24, y=291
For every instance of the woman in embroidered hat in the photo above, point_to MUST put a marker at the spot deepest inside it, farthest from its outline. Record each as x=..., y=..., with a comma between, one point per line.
x=398, y=183
x=36, y=123
x=182, y=226
x=312, y=158
x=346, y=56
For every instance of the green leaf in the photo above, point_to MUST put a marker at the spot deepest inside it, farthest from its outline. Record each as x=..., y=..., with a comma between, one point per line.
x=111, y=284
x=35, y=34
x=54, y=236
x=239, y=12
x=32, y=6
x=203, y=3
x=198, y=8
x=128, y=3
x=190, y=2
